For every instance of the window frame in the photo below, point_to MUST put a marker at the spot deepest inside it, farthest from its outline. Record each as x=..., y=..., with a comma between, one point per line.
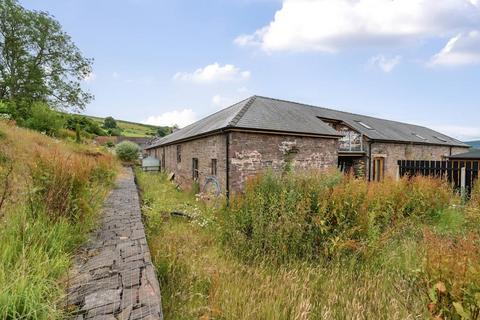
x=213, y=166
x=365, y=125
x=179, y=153
x=419, y=136
x=441, y=139
x=195, y=171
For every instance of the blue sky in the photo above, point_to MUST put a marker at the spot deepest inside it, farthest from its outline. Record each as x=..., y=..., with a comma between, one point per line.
x=176, y=61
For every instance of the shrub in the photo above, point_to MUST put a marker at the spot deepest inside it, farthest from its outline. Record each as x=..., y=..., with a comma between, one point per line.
x=307, y=216
x=115, y=132
x=85, y=124
x=44, y=119
x=127, y=151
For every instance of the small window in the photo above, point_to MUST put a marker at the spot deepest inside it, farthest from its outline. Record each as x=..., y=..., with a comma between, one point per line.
x=363, y=124
x=214, y=167
x=195, y=169
x=441, y=139
x=419, y=136
x=179, y=153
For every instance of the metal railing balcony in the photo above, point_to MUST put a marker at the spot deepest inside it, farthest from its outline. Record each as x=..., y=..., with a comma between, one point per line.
x=351, y=142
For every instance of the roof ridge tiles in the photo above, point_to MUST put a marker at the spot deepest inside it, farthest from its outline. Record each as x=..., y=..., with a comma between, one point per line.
x=242, y=112
x=340, y=111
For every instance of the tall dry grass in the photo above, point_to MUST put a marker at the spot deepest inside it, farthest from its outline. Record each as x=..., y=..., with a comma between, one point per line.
x=320, y=215
x=452, y=269
x=316, y=246
x=52, y=193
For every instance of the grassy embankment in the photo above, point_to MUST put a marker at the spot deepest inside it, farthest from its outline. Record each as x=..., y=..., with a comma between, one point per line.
x=319, y=247
x=50, y=193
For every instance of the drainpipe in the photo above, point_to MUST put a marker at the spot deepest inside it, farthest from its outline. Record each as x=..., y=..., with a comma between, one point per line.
x=370, y=160
x=227, y=166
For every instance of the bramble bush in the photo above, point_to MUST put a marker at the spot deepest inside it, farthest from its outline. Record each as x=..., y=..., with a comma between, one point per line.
x=127, y=151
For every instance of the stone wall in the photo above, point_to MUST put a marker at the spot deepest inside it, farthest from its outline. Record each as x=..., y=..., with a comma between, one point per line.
x=204, y=149
x=392, y=152
x=252, y=153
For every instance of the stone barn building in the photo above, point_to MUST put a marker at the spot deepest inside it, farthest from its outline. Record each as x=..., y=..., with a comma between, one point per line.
x=259, y=133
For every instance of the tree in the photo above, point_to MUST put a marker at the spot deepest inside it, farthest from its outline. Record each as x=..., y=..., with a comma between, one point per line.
x=44, y=119
x=163, y=131
x=84, y=123
x=39, y=61
x=109, y=123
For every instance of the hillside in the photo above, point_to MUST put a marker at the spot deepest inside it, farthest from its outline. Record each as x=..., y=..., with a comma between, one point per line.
x=132, y=129
x=475, y=144
x=51, y=191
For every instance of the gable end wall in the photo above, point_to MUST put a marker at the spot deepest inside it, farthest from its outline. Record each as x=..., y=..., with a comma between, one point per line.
x=204, y=149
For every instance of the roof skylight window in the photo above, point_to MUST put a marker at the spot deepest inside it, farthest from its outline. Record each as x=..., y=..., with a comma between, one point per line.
x=441, y=139
x=419, y=136
x=363, y=124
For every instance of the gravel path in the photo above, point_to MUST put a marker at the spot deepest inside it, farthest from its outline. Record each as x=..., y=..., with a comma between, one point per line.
x=114, y=278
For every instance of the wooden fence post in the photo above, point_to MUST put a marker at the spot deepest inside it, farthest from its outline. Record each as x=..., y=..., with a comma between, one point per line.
x=463, y=181
x=398, y=173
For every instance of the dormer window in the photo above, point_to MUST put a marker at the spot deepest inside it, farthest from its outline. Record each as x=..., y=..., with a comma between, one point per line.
x=419, y=136
x=363, y=124
x=441, y=139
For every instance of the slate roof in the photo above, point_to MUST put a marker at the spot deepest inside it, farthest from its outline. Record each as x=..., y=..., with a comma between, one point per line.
x=473, y=154
x=268, y=114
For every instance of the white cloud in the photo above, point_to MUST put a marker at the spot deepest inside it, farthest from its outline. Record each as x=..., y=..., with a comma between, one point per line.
x=181, y=118
x=329, y=26
x=213, y=73
x=115, y=75
x=462, y=49
x=384, y=63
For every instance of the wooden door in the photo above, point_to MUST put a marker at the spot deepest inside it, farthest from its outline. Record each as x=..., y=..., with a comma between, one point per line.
x=378, y=169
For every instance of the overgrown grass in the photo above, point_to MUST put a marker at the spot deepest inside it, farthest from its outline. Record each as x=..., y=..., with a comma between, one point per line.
x=51, y=192
x=318, y=246
x=314, y=215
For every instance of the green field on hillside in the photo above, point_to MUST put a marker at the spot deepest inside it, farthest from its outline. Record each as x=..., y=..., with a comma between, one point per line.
x=131, y=129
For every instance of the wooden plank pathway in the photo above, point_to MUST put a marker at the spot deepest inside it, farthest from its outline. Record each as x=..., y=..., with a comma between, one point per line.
x=114, y=277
